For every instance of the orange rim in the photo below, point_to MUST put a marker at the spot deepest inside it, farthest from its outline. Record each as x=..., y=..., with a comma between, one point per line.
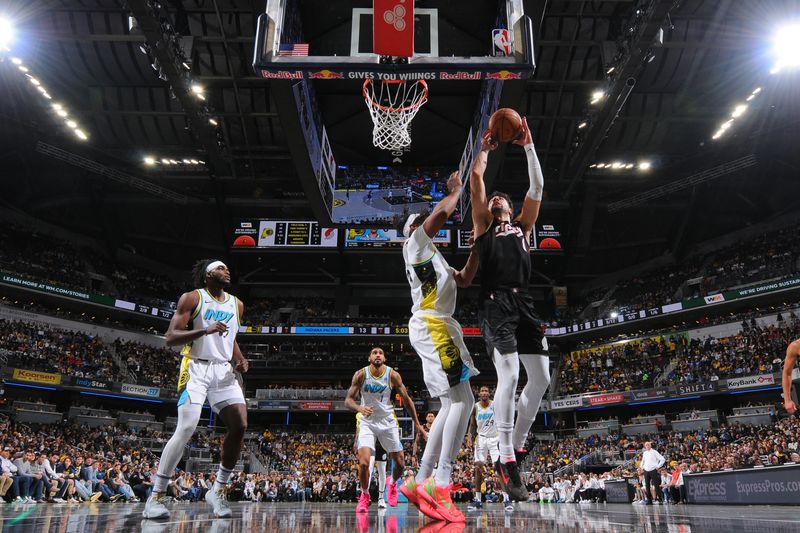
x=388, y=109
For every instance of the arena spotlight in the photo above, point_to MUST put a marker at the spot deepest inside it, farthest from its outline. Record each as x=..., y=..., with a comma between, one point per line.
x=739, y=110
x=582, y=125
x=6, y=33
x=82, y=136
x=645, y=165
x=614, y=314
x=149, y=160
x=597, y=96
x=786, y=47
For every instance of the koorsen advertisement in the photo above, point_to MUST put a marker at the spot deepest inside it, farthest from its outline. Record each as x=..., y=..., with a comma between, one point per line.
x=771, y=485
x=34, y=376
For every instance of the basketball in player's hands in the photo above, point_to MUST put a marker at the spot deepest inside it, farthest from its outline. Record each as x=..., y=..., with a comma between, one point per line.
x=525, y=137
x=505, y=125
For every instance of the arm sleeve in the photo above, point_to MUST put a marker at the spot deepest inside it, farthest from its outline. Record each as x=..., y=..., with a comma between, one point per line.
x=534, y=173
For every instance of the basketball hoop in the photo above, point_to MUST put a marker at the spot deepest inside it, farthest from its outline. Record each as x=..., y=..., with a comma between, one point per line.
x=392, y=107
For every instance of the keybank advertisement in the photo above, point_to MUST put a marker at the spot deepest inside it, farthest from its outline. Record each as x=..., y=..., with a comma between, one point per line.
x=771, y=485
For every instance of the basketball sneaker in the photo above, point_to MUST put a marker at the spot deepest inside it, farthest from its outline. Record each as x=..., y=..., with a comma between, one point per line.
x=216, y=498
x=155, y=508
x=409, y=490
x=363, y=503
x=512, y=481
x=391, y=494
x=441, y=502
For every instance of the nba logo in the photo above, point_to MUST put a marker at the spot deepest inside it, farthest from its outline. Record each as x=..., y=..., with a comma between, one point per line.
x=501, y=43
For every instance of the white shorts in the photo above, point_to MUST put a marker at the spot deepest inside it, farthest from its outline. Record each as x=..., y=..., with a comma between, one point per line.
x=487, y=446
x=385, y=430
x=439, y=342
x=199, y=380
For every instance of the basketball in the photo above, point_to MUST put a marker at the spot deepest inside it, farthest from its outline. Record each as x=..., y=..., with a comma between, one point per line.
x=505, y=125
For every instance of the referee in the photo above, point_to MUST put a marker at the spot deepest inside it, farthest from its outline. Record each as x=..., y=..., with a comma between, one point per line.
x=651, y=462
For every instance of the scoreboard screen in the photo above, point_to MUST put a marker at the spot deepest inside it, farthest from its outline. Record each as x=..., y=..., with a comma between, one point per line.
x=386, y=238
x=283, y=234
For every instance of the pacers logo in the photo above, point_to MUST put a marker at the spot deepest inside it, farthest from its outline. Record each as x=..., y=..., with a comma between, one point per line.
x=183, y=377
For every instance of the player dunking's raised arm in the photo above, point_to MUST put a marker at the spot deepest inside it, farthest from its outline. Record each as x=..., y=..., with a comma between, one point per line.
x=509, y=324
x=788, y=367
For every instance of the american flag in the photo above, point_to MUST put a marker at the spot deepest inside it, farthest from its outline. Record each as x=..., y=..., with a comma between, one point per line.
x=296, y=49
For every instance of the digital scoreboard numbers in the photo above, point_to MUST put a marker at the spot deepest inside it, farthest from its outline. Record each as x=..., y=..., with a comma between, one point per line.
x=284, y=234
x=544, y=238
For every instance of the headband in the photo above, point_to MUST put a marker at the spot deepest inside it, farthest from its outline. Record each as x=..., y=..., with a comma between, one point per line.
x=407, y=227
x=213, y=265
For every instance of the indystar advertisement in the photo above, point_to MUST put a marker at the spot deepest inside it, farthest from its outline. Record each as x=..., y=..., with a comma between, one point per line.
x=139, y=390
x=36, y=376
x=91, y=383
x=761, y=380
x=779, y=485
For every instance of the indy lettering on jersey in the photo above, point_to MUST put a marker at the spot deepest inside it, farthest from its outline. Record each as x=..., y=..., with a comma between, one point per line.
x=217, y=316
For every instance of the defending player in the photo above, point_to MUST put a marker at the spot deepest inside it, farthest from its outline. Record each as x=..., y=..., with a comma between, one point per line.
x=376, y=420
x=438, y=340
x=509, y=324
x=482, y=423
x=786, y=381
x=205, y=323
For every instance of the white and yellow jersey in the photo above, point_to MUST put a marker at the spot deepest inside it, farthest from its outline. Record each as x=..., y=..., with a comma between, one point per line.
x=376, y=392
x=433, y=286
x=215, y=348
x=484, y=420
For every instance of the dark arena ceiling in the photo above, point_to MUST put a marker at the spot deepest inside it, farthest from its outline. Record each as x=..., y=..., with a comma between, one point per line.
x=661, y=105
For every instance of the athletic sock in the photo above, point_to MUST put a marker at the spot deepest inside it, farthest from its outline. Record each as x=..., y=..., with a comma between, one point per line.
x=507, y=367
x=477, y=496
x=223, y=475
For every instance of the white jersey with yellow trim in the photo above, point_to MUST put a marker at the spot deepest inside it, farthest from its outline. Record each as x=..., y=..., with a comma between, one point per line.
x=433, y=286
x=215, y=348
x=376, y=392
x=484, y=420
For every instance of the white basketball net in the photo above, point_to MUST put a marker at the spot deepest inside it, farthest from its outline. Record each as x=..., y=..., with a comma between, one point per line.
x=392, y=105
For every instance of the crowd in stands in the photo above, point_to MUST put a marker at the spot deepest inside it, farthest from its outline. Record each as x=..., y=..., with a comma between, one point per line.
x=755, y=350
x=36, y=347
x=624, y=366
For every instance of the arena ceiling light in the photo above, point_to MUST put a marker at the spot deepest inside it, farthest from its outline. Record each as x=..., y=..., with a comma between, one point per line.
x=183, y=162
x=617, y=165
x=58, y=108
x=786, y=47
x=6, y=34
x=597, y=96
x=738, y=110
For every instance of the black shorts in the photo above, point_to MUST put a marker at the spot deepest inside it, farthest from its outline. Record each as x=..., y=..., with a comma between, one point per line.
x=380, y=453
x=509, y=323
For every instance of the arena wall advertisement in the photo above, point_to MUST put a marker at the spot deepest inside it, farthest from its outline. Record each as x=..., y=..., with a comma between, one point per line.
x=604, y=399
x=91, y=383
x=761, y=380
x=34, y=376
x=566, y=403
x=777, y=485
x=139, y=390
x=315, y=406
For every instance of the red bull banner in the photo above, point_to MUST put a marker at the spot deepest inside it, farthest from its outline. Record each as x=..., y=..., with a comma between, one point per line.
x=319, y=73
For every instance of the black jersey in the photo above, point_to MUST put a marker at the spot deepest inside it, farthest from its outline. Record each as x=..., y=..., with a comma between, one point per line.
x=505, y=258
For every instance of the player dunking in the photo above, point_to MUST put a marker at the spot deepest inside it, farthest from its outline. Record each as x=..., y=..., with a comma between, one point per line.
x=438, y=340
x=205, y=323
x=509, y=324
x=482, y=423
x=376, y=420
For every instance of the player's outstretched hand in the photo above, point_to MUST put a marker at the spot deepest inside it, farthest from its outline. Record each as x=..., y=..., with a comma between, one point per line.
x=525, y=137
x=790, y=406
x=217, y=327
x=454, y=182
x=487, y=143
